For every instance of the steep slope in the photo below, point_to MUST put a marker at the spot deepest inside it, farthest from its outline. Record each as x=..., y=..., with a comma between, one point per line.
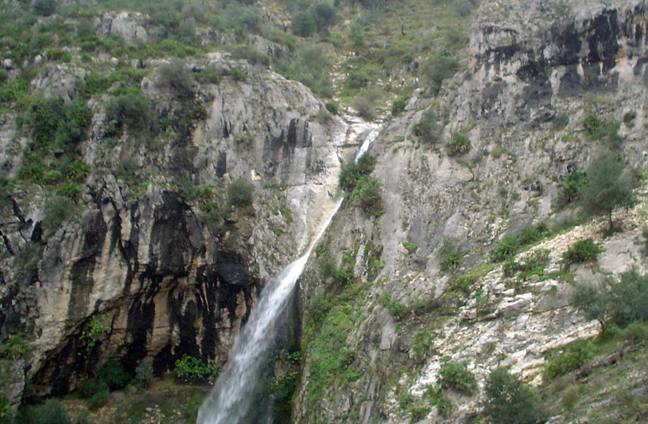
x=155, y=263
x=487, y=157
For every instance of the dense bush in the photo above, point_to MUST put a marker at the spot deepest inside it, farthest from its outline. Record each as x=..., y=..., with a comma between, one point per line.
x=144, y=374
x=428, y=129
x=5, y=410
x=608, y=186
x=189, y=369
x=303, y=24
x=56, y=124
x=570, y=188
x=508, y=401
x=14, y=347
x=58, y=210
x=622, y=302
x=114, y=375
x=459, y=144
x=351, y=172
x=45, y=7
x=176, y=79
x=364, y=107
x=240, y=193
x=509, y=245
x=582, y=251
x=92, y=386
x=51, y=412
x=398, y=106
x=422, y=342
x=130, y=111
x=573, y=357
x=455, y=376
x=439, y=67
x=366, y=195
x=600, y=129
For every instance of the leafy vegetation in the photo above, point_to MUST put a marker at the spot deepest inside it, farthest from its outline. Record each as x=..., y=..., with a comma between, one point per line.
x=621, y=302
x=240, y=193
x=189, y=369
x=459, y=144
x=573, y=357
x=582, y=251
x=609, y=185
x=50, y=412
x=144, y=374
x=94, y=329
x=329, y=354
x=597, y=128
x=508, y=401
x=509, y=245
x=455, y=376
x=14, y=347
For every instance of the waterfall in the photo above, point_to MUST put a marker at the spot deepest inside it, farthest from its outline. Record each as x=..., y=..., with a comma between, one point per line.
x=231, y=400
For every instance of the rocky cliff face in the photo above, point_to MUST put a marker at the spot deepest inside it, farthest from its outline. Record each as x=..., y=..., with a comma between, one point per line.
x=145, y=269
x=530, y=65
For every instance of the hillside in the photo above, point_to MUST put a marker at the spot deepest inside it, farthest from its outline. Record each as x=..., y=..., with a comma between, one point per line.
x=161, y=162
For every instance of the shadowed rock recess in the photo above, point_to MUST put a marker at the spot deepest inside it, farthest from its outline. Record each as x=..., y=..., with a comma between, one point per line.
x=158, y=168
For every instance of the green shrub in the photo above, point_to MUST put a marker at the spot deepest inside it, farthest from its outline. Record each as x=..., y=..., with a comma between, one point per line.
x=396, y=309
x=600, y=129
x=58, y=210
x=332, y=107
x=427, y=129
x=398, y=106
x=189, y=369
x=15, y=347
x=570, y=188
x=560, y=122
x=187, y=29
x=144, y=374
x=508, y=401
x=51, y=412
x=505, y=248
x=54, y=123
x=364, y=108
x=95, y=328
x=366, y=195
x=91, y=387
x=421, y=345
x=98, y=399
x=582, y=251
x=410, y=247
x=351, y=172
x=130, y=111
x=609, y=185
x=303, y=24
x=45, y=7
x=436, y=396
x=176, y=79
x=5, y=410
x=240, y=193
x=455, y=376
x=459, y=144
x=509, y=245
x=451, y=260
x=114, y=375
x=573, y=357
x=439, y=67
x=622, y=302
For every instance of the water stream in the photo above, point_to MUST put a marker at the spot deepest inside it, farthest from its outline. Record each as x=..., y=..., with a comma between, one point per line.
x=233, y=399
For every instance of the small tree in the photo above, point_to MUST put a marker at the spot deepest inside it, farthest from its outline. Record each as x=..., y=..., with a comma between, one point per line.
x=303, y=24
x=240, y=193
x=608, y=185
x=508, y=401
x=622, y=302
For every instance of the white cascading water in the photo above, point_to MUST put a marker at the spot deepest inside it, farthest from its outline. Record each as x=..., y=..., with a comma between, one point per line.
x=233, y=395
